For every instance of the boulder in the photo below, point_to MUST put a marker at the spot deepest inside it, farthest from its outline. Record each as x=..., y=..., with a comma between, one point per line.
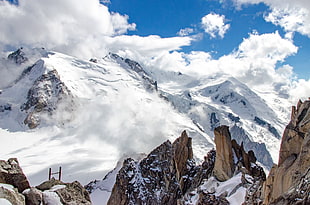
x=74, y=193
x=68, y=193
x=10, y=194
x=33, y=196
x=12, y=173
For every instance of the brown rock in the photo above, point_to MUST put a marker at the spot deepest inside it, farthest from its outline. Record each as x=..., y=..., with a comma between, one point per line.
x=12, y=196
x=294, y=157
x=49, y=184
x=12, y=173
x=74, y=193
x=182, y=148
x=33, y=196
x=224, y=166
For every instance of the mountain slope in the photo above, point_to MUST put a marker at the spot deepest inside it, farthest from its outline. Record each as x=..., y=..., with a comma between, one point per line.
x=88, y=114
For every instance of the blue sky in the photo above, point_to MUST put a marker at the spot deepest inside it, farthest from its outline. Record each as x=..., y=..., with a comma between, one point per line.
x=166, y=18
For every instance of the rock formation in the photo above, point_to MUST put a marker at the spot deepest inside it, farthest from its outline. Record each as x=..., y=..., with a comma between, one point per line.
x=12, y=173
x=231, y=157
x=169, y=175
x=224, y=164
x=68, y=193
x=18, y=56
x=160, y=178
x=287, y=180
x=10, y=195
x=33, y=196
x=45, y=96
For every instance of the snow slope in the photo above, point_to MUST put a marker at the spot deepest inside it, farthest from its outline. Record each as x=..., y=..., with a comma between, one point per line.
x=114, y=114
x=121, y=109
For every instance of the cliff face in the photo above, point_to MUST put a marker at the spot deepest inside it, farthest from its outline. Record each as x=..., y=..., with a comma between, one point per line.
x=293, y=168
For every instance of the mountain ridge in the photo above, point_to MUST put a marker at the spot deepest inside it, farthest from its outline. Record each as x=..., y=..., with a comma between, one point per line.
x=116, y=99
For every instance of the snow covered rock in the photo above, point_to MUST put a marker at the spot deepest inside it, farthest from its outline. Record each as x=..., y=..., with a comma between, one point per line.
x=10, y=195
x=68, y=193
x=169, y=175
x=160, y=178
x=46, y=94
x=18, y=56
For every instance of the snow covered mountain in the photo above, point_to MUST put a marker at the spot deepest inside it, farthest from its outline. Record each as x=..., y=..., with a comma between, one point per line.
x=57, y=110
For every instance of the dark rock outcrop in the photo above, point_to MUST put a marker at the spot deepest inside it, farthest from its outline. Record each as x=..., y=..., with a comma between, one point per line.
x=211, y=199
x=12, y=173
x=160, y=178
x=45, y=96
x=18, y=56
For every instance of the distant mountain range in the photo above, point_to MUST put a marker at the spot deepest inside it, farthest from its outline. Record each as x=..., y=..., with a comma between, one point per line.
x=87, y=114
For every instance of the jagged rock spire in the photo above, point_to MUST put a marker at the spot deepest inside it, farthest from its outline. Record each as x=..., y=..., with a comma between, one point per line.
x=224, y=166
x=156, y=179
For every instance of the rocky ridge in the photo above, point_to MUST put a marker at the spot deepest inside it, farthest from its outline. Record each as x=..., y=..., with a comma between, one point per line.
x=169, y=175
x=15, y=189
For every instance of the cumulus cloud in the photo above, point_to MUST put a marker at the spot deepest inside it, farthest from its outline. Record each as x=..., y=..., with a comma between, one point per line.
x=185, y=31
x=214, y=25
x=82, y=28
x=57, y=23
x=293, y=16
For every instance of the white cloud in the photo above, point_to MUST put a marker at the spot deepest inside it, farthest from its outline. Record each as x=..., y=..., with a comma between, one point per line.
x=254, y=63
x=185, y=31
x=82, y=28
x=59, y=24
x=214, y=25
x=300, y=89
x=148, y=46
x=293, y=16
